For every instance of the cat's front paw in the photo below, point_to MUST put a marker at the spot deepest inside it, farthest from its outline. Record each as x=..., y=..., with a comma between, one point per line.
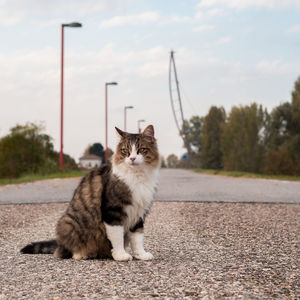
x=121, y=256
x=143, y=255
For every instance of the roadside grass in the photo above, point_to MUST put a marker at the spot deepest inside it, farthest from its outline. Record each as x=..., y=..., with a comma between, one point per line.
x=36, y=177
x=247, y=175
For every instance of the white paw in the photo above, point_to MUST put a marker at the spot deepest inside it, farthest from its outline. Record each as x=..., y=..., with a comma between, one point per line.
x=143, y=255
x=121, y=255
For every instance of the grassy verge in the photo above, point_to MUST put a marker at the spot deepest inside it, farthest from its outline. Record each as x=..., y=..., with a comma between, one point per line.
x=247, y=175
x=35, y=177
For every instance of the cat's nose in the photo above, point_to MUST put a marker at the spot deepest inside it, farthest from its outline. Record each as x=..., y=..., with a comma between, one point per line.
x=132, y=159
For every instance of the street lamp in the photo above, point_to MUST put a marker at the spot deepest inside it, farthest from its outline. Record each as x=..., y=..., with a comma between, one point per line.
x=125, y=116
x=61, y=157
x=106, y=119
x=139, y=127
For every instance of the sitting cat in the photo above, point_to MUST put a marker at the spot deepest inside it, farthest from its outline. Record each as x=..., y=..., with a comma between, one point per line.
x=109, y=206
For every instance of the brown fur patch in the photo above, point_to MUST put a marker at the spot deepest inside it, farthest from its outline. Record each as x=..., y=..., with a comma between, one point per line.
x=81, y=230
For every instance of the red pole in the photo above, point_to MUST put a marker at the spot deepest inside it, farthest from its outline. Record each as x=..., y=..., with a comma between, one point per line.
x=61, y=158
x=106, y=146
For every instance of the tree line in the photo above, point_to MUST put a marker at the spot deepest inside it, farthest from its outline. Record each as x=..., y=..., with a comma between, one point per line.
x=248, y=139
x=27, y=150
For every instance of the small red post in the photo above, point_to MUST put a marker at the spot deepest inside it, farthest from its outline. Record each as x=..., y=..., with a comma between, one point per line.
x=61, y=158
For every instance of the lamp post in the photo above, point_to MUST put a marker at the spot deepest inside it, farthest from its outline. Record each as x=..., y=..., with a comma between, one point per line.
x=139, y=127
x=61, y=157
x=125, y=115
x=106, y=120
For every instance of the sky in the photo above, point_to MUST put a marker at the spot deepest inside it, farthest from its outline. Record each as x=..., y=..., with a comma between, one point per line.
x=227, y=53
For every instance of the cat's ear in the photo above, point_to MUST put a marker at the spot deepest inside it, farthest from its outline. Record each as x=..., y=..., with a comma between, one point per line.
x=149, y=132
x=120, y=132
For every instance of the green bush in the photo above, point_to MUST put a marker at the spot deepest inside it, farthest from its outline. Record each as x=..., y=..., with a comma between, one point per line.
x=26, y=150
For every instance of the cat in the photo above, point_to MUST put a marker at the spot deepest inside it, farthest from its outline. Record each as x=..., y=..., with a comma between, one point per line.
x=109, y=206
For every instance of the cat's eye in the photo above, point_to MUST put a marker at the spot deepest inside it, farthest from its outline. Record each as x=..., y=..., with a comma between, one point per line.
x=142, y=150
x=124, y=151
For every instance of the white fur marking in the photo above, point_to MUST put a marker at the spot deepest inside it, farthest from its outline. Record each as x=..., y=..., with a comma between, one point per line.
x=137, y=246
x=142, y=181
x=116, y=236
x=134, y=159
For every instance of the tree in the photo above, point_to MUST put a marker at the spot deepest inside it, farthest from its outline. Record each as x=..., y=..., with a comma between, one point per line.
x=87, y=150
x=192, y=136
x=22, y=151
x=294, y=126
x=27, y=150
x=242, y=139
x=163, y=162
x=277, y=126
x=97, y=149
x=211, y=154
x=283, y=137
x=194, y=132
x=172, y=161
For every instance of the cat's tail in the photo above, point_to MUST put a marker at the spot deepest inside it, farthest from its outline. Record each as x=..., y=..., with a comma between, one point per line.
x=43, y=247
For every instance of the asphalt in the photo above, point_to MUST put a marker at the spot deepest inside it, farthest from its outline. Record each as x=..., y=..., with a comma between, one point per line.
x=175, y=185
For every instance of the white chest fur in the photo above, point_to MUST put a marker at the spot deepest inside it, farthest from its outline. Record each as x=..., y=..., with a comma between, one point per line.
x=142, y=183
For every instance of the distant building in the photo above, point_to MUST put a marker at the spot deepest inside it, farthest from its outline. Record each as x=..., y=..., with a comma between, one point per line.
x=90, y=161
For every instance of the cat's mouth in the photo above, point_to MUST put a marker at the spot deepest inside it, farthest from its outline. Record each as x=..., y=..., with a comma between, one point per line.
x=134, y=163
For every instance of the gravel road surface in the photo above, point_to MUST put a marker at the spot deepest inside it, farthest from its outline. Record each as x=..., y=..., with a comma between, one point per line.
x=201, y=250
x=210, y=236
x=175, y=185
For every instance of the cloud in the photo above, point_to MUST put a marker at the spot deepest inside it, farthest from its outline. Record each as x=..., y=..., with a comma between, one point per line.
x=243, y=4
x=142, y=18
x=223, y=40
x=15, y=11
x=294, y=29
x=7, y=20
x=274, y=67
x=198, y=15
x=178, y=19
x=203, y=28
x=215, y=12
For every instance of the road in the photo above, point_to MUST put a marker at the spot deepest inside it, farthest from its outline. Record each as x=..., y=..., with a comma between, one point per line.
x=175, y=185
x=205, y=244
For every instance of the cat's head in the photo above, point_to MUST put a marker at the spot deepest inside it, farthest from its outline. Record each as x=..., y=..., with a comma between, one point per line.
x=137, y=150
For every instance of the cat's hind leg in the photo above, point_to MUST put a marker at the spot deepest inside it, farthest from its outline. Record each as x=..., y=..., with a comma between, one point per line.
x=62, y=252
x=127, y=243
